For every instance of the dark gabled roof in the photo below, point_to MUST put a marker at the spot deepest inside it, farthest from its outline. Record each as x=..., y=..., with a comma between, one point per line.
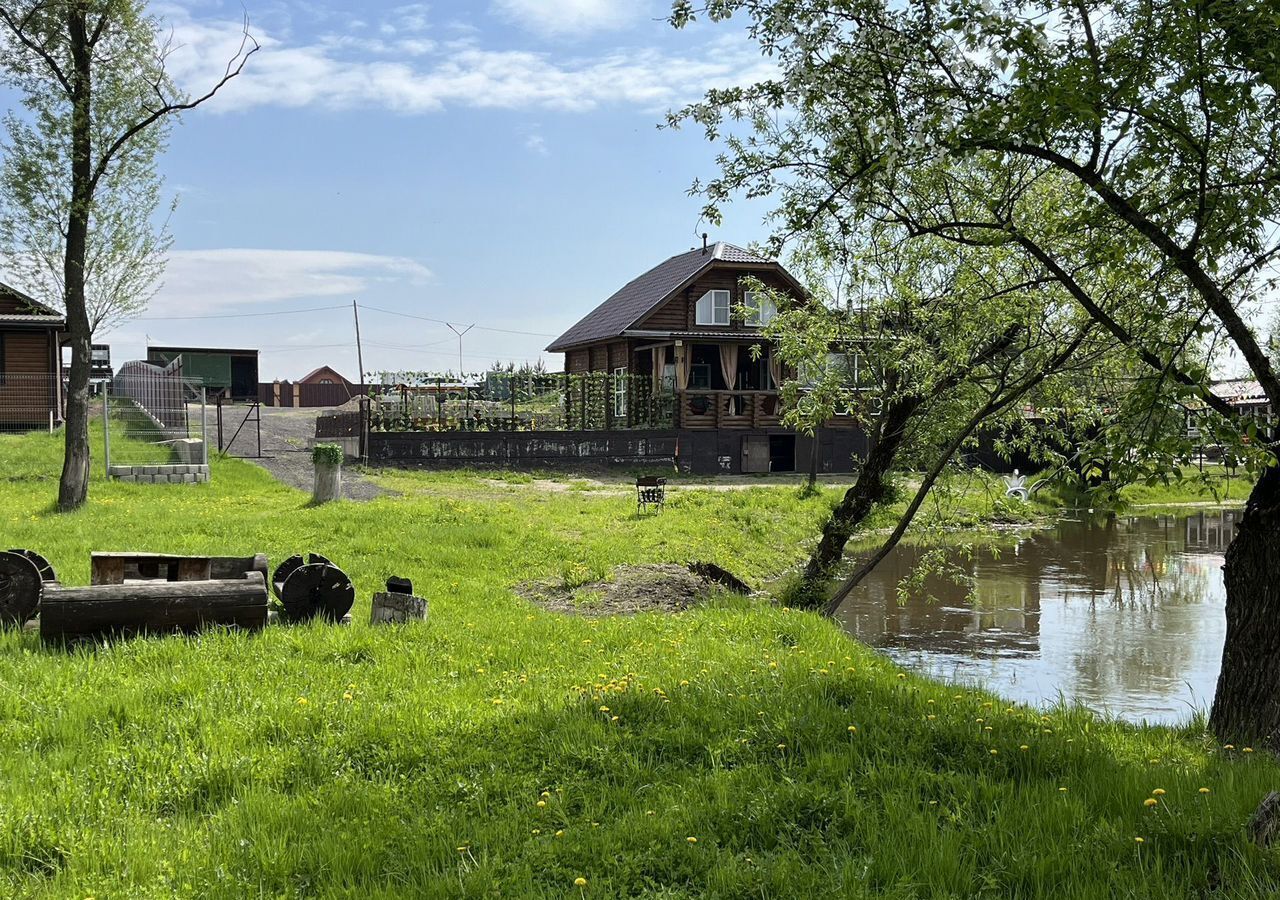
x=641, y=296
x=39, y=314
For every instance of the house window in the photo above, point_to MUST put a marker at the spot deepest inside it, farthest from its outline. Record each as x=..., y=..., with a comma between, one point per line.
x=713, y=308
x=851, y=368
x=760, y=308
x=326, y=381
x=620, y=392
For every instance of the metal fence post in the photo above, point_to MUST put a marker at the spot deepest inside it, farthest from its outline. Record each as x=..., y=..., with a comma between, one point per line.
x=204, y=427
x=106, y=430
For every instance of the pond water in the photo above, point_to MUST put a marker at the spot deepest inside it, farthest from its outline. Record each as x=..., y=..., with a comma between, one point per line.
x=1123, y=614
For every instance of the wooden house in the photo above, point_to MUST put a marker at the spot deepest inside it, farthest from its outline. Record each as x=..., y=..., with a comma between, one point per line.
x=324, y=375
x=30, y=363
x=689, y=323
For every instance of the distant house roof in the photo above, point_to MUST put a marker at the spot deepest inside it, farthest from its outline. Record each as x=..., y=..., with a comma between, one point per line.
x=320, y=371
x=1239, y=390
x=639, y=297
x=34, y=312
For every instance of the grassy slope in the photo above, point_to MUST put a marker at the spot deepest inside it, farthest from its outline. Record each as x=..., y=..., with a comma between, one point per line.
x=326, y=761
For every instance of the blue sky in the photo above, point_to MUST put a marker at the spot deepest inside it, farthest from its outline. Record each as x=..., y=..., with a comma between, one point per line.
x=494, y=162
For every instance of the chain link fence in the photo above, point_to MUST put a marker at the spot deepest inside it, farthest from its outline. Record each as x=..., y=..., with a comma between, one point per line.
x=157, y=425
x=29, y=403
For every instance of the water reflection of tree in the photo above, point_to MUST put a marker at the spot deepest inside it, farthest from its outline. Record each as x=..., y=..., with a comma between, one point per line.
x=1138, y=563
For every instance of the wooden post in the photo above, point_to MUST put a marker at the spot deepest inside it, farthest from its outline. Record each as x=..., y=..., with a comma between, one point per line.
x=394, y=609
x=327, y=485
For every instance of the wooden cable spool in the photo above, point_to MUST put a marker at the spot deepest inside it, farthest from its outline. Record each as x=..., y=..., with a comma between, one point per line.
x=43, y=565
x=291, y=565
x=317, y=589
x=21, y=586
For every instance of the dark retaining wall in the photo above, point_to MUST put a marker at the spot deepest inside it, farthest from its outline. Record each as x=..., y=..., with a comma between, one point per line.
x=694, y=452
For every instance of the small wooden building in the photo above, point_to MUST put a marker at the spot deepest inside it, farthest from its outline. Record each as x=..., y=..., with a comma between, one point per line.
x=324, y=375
x=30, y=369
x=230, y=373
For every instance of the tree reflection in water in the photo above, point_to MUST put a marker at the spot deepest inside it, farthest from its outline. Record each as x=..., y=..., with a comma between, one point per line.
x=1123, y=614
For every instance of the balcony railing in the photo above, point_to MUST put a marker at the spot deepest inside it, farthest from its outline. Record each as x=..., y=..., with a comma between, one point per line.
x=698, y=408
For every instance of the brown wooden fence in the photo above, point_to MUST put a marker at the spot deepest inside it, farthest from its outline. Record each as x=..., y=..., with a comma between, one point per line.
x=285, y=393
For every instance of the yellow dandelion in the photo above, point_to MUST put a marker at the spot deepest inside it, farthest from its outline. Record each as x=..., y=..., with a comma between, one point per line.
x=995, y=752
x=546, y=793
x=902, y=674
x=931, y=717
x=537, y=831
x=1158, y=792
x=1139, y=840
x=1228, y=746
x=691, y=839
x=604, y=709
x=1246, y=750
x=541, y=803
x=1024, y=747
x=1062, y=790
x=302, y=701
x=346, y=696
x=1204, y=790
x=1150, y=801
x=463, y=849
x=649, y=812
x=684, y=683
x=853, y=728
x=560, y=833
x=580, y=881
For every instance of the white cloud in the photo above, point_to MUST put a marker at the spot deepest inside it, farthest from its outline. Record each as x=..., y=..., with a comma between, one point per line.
x=205, y=282
x=536, y=143
x=411, y=74
x=571, y=17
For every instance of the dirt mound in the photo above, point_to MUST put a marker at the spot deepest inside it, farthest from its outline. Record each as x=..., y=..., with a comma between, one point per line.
x=632, y=589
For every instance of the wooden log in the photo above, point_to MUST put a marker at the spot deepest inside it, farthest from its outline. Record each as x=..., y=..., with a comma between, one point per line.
x=391, y=608
x=153, y=606
x=1264, y=826
x=221, y=567
x=318, y=589
x=20, y=589
x=117, y=568
x=327, y=484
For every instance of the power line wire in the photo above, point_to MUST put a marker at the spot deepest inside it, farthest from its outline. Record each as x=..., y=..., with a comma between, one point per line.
x=282, y=312
x=391, y=312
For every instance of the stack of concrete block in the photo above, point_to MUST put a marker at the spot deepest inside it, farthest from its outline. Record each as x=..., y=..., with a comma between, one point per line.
x=161, y=474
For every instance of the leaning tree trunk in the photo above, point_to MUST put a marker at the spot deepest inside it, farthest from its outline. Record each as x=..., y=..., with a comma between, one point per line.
x=858, y=501
x=73, y=487
x=1246, y=705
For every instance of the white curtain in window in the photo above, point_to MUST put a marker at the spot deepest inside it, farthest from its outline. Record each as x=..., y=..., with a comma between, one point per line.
x=684, y=362
x=729, y=364
x=659, y=363
x=775, y=369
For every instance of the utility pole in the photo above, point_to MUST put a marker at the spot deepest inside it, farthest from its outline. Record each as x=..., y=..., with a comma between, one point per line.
x=355, y=311
x=460, y=334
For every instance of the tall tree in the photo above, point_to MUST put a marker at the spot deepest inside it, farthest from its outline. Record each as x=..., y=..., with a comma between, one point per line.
x=1161, y=117
x=80, y=179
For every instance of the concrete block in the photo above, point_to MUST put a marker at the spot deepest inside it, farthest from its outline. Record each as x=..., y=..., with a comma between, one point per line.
x=128, y=478
x=120, y=471
x=188, y=478
x=190, y=450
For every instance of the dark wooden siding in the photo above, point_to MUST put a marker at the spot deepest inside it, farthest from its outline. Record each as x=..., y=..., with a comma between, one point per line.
x=619, y=356
x=599, y=357
x=26, y=400
x=577, y=361
x=678, y=313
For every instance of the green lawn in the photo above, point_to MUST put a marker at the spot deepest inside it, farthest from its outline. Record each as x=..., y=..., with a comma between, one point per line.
x=738, y=750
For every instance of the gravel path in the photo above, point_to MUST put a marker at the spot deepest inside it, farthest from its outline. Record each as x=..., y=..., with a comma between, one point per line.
x=287, y=437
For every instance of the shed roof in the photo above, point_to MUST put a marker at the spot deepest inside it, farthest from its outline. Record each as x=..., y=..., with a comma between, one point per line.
x=39, y=313
x=642, y=295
